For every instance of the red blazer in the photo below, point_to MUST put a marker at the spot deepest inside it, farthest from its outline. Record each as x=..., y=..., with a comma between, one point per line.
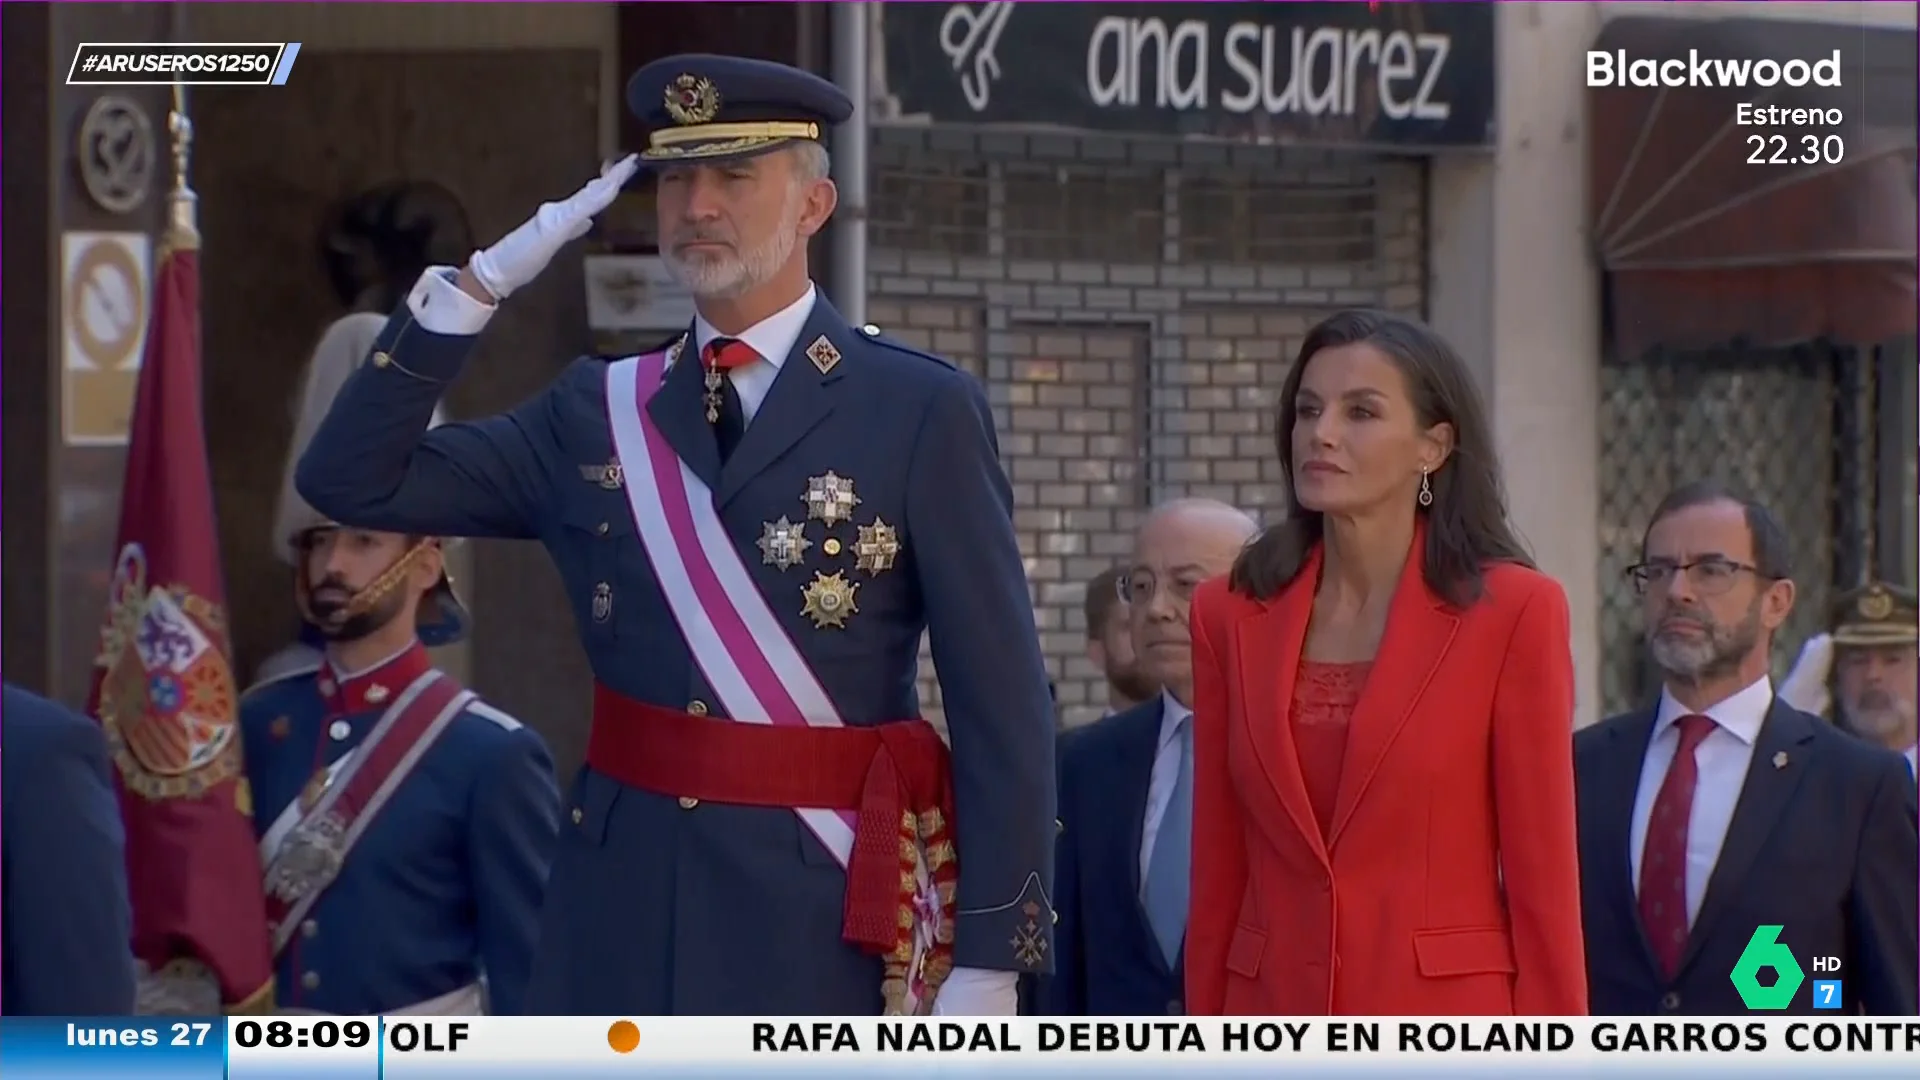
x=1458, y=773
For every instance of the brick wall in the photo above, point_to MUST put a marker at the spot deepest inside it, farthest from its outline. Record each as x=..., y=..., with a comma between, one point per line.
x=1132, y=307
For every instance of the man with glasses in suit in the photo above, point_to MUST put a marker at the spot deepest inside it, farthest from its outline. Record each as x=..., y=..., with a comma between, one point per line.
x=1722, y=815
x=1126, y=787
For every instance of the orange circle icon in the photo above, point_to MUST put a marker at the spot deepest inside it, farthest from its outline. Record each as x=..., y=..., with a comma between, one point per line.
x=624, y=1036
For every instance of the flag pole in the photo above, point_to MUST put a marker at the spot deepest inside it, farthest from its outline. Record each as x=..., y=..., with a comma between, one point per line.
x=183, y=217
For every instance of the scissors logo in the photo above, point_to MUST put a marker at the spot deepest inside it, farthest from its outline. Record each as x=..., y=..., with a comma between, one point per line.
x=968, y=34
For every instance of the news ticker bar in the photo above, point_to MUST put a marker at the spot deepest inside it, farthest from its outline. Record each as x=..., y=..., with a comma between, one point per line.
x=167, y=64
x=559, y=1048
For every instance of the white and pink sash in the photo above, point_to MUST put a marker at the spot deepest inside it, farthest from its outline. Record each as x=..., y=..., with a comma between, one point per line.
x=746, y=655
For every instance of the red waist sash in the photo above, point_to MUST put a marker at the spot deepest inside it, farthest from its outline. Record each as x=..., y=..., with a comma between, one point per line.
x=893, y=776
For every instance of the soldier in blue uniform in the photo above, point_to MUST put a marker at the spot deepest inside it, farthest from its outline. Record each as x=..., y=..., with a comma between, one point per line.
x=65, y=949
x=406, y=827
x=755, y=526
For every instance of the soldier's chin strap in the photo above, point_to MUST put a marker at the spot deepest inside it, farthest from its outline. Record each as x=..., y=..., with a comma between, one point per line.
x=366, y=598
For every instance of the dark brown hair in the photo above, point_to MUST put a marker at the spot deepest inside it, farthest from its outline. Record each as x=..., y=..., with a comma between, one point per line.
x=1467, y=525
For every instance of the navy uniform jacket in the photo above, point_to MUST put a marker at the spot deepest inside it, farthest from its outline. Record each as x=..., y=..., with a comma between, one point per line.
x=64, y=898
x=715, y=903
x=1109, y=963
x=1822, y=845
x=446, y=883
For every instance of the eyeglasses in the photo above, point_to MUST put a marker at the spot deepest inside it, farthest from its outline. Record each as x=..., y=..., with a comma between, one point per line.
x=1139, y=586
x=1709, y=577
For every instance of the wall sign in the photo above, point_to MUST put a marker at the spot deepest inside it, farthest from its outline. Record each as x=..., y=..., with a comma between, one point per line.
x=104, y=281
x=115, y=152
x=635, y=292
x=1399, y=76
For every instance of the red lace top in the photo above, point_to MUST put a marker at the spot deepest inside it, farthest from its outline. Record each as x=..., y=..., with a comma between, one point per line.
x=1323, y=699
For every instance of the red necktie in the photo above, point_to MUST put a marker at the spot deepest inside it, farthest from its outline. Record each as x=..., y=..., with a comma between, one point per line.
x=1663, y=860
x=726, y=354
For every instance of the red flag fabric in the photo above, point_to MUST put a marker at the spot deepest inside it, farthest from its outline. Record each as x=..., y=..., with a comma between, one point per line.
x=163, y=683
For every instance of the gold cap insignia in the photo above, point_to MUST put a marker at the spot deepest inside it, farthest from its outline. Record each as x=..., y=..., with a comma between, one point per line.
x=1875, y=604
x=830, y=498
x=877, y=547
x=823, y=354
x=692, y=99
x=782, y=543
x=829, y=600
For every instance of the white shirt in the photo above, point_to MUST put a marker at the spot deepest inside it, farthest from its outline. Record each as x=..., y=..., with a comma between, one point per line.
x=1912, y=767
x=1166, y=773
x=1723, y=757
x=772, y=337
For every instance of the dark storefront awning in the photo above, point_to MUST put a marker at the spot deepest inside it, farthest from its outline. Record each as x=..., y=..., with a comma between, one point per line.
x=1702, y=246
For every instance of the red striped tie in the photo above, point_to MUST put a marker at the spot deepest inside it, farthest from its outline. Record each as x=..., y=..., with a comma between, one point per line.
x=1663, y=859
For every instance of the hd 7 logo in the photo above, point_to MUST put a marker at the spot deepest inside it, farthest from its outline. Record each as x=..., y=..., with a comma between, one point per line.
x=1764, y=951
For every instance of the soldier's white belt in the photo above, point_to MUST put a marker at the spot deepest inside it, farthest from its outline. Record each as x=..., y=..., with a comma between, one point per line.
x=466, y=1001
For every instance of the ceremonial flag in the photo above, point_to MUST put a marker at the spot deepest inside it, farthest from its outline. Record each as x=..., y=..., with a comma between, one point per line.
x=163, y=683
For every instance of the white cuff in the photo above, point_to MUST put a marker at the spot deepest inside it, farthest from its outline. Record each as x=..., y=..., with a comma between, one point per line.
x=442, y=307
x=978, y=992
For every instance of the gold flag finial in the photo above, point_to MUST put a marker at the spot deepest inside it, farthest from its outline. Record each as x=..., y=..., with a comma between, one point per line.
x=183, y=219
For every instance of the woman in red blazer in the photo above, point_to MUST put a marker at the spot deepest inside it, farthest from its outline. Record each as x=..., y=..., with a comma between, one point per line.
x=1383, y=727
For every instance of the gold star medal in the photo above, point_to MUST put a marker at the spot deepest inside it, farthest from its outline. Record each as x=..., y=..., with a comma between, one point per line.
x=829, y=600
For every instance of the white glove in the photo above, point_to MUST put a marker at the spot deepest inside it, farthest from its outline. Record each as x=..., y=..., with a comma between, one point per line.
x=520, y=255
x=1805, y=687
x=978, y=992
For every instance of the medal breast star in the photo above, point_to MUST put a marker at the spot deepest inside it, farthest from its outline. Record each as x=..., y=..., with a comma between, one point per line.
x=783, y=543
x=830, y=498
x=829, y=600
x=878, y=546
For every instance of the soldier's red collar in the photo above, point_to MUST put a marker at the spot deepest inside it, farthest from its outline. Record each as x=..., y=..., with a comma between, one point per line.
x=377, y=686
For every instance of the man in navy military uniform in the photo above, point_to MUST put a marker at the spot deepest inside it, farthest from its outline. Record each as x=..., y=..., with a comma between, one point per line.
x=406, y=827
x=755, y=526
x=64, y=899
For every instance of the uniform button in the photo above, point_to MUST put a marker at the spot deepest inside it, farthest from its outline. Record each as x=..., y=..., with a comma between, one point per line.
x=688, y=802
x=339, y=730
x=578, y=816
x=603, y=528
x=1056, y=918
x=311, y=980
x=1670, y=1001
x=309, y=928
x=697, y=707
x=831, y=547
x=381, y=359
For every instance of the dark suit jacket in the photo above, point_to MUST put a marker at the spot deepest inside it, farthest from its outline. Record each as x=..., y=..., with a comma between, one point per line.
x=1108, y=963
x=63, y=889
x=1823, y=846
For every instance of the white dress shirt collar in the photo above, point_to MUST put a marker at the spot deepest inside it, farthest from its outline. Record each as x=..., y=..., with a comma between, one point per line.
x=772, y=337
x=1740, y=715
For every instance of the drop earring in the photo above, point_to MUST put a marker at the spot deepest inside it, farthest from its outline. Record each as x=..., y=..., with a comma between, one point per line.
x=1426, y=490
